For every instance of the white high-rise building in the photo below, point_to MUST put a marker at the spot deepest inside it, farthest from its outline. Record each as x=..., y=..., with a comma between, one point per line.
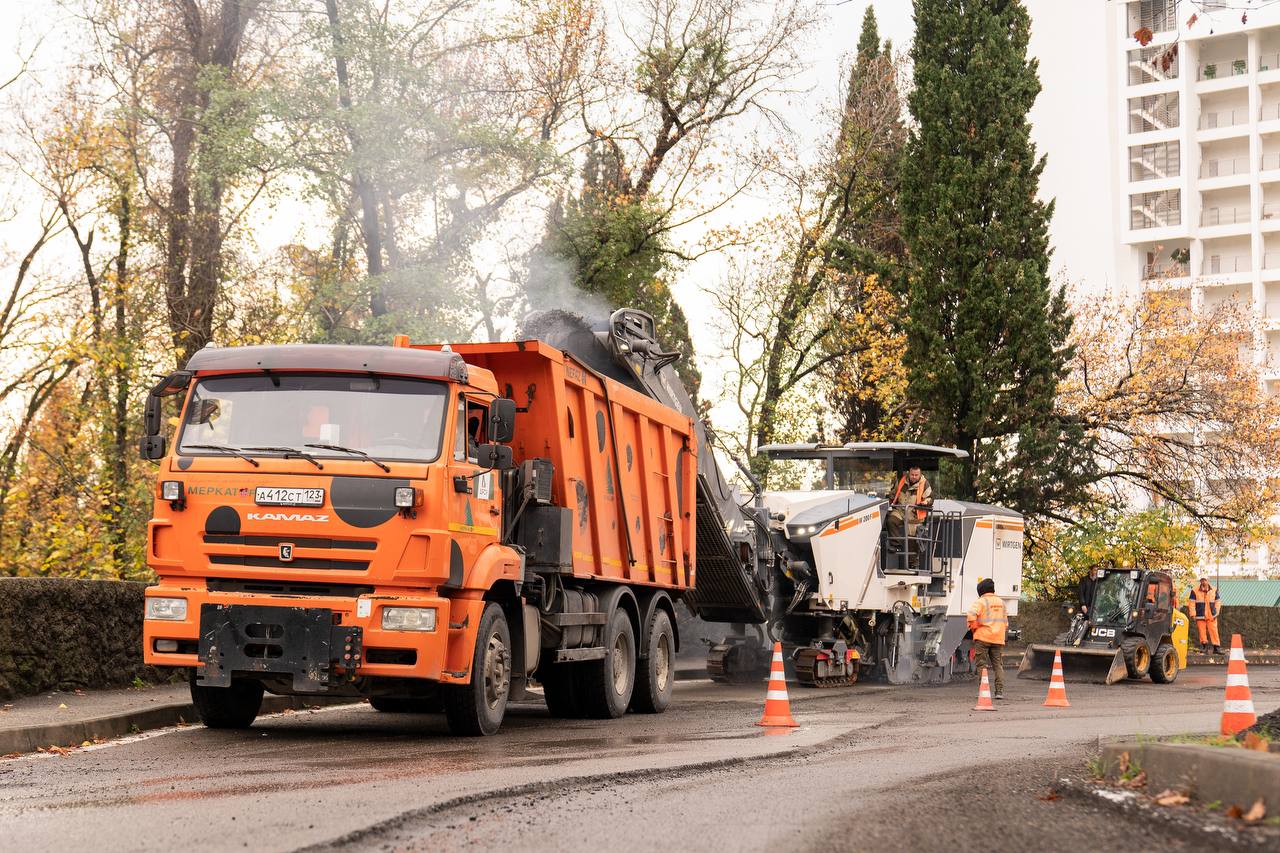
x=1196, y=166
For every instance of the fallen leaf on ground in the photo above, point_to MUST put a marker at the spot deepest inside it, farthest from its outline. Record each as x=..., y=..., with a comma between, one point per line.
x=56, y=750
x=1253, y=741
x=1050, y=797
x=11, y=755
x=1124, y=763
x=1234, y=811
x=1171, y=798
x=1257, y=811
x=62, y=706
x=6, y=707
x=1138, y=781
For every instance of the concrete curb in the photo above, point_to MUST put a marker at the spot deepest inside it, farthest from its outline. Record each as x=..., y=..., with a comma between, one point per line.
x=1207, y=773
x=76, y=732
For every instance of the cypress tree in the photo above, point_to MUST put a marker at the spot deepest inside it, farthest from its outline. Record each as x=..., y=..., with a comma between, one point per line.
x=868, y=41
x=986, y=331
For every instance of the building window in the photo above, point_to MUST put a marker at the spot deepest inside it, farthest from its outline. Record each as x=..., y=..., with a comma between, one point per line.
x=1150, y=162
x=1155, y=210
x=1153, y=64
x=1154, y=112
x=1159, y=16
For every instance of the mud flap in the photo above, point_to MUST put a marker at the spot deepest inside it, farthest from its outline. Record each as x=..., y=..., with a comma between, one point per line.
x=301, y=642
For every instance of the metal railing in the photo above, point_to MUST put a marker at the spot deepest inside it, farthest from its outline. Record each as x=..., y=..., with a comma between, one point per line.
x=1271, y=161
x=1224, y=215
x=1159, y=16
x=1222, y=68
x=1270, y=260
x=1224, y=118
x=1151, y=64
x=1269, y=112
x=1268, y=62
x=1224, y=167
x=1271, y=210
x=1167, y=269
x=1220, y=265
x=1271, y=309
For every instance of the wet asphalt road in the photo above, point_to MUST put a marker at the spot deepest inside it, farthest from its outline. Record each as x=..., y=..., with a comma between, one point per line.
x=870, y=767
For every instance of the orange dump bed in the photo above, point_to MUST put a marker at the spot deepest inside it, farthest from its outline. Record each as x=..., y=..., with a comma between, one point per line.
x=625, y=464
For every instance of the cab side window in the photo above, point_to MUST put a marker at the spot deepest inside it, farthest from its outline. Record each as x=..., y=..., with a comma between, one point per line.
x=1165, y=599
x=472, y=429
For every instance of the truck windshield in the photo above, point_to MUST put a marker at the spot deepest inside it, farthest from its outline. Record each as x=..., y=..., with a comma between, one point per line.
x=387, y=418
x=1113, y=596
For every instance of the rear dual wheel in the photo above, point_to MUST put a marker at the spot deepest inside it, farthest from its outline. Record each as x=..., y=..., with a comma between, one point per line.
x=603, y=689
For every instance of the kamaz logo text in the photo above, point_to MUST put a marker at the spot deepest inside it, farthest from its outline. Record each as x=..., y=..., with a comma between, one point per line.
x=288, y=516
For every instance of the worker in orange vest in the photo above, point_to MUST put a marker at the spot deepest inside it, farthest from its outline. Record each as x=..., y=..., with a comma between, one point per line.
x=909, y=506
x=1204, y=605
x=989, y=621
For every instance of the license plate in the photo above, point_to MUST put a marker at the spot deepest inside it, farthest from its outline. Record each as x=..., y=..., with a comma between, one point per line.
x=275, y=496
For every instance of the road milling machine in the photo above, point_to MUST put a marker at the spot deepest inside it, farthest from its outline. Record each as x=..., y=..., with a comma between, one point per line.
x=817, y=568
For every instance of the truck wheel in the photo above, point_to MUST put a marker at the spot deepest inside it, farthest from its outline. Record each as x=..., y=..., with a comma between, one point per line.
x=559, y=686
x=654, y=681
x=400, y=705
x=606, y=684
x=234, y=707
x=1164, y=668
x=1137, y=657
x=478, y=708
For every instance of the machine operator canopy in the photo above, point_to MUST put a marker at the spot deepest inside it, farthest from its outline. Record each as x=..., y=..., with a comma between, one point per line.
x=865, y=466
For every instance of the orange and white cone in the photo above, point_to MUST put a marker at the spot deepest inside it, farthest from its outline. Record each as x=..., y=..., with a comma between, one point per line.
x=777, y=707
x=1237, y=712
x=984, y=694
x=1057, y=697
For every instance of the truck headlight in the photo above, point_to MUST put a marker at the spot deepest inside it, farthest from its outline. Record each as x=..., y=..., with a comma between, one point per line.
x=408, y=618
x=168, y=609
x=406, y=497
x=171, y=490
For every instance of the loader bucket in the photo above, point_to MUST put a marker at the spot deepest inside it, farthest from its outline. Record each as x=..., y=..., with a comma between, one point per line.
x=1093, y=666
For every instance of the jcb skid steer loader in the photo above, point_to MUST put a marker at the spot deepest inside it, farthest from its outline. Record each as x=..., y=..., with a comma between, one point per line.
x=1129, y=630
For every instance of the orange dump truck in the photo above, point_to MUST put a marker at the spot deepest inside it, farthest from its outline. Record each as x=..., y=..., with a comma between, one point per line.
x=430, y=528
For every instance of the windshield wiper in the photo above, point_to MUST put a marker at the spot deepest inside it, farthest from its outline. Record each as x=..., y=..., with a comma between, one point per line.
x=234, y=451
x=290, y=453
x=352, y=451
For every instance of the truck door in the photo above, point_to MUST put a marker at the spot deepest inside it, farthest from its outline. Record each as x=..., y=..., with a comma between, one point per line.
x=475, y=514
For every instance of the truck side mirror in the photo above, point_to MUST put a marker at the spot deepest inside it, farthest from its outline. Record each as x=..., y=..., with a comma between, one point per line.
x=502, y=420
x=153, y=445
x=495, y=456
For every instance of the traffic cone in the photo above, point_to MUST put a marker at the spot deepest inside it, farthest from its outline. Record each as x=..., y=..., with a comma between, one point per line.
x=777, y=707
x=984, y=694
x=1057, y=697
x=1237, y=712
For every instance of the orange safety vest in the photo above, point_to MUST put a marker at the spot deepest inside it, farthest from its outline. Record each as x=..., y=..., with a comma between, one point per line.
x=988, y=619
x=1204, y=603
x=920, y=512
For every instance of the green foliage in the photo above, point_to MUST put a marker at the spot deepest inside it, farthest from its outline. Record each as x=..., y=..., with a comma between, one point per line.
x=1150, y=539
x=987, y=333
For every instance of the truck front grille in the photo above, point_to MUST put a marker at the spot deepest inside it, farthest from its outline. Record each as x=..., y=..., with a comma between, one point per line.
x=261, y=587
x=264, y=562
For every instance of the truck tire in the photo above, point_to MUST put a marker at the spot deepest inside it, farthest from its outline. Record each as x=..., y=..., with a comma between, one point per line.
x=478, y=708
x=559, y=687
x=401, y=705
x=656, y=675
x=234, y=707
x=605, y=686
x=1164, y=668
x=1137, y=657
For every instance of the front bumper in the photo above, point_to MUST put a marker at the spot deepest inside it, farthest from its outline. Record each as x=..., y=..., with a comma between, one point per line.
x=312, y=627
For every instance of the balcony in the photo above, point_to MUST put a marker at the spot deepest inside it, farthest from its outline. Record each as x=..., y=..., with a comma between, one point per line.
x=1271, y=260
x=1164, y=270
x=1223, y=167
x=1211, y=216
x=1216, y=119
x=1218, y=69
x=1268, y=62
x=1270, y=161
x=1226, y=265
x=1269, y=112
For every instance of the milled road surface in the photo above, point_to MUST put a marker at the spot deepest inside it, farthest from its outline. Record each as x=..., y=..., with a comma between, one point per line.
x=870, y=768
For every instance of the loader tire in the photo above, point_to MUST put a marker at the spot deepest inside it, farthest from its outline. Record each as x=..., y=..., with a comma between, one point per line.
x=605, y=686
x=559, y=686
x=657, y=672
x=478, y=708
x=1164, y=668
x=234, y=707
x=1137, y=657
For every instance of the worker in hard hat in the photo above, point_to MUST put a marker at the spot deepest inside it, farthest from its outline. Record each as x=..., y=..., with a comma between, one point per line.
x=909, y=505
x=1204, y=605
x=989, y=622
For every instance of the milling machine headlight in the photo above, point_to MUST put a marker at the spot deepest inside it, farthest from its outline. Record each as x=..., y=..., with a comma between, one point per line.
x=406, y=497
